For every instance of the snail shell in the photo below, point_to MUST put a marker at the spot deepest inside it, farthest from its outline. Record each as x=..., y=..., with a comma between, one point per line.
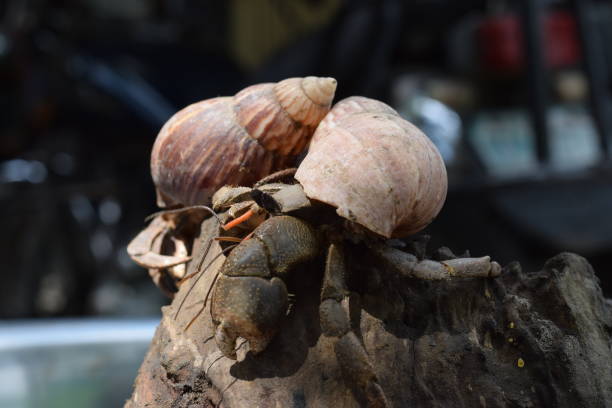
x=236, y=140
x=376, y=168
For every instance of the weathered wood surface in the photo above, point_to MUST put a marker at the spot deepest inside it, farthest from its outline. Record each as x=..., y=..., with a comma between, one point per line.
x=538, y=339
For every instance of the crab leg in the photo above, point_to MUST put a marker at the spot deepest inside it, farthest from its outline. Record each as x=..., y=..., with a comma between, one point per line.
x=409, y=265
x=335, y=322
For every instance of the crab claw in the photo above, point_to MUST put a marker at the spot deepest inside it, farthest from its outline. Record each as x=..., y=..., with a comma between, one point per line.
x=250, y=298
x=247, y=307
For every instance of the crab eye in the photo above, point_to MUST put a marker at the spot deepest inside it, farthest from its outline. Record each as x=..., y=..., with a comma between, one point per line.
x=265, y=201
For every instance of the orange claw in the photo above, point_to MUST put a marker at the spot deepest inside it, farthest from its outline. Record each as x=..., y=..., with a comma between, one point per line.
x=238, y=220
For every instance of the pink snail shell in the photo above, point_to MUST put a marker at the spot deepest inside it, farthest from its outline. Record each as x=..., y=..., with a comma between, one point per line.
x=376, y=168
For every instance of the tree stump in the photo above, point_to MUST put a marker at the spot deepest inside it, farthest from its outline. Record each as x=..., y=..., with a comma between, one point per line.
x=538, y=339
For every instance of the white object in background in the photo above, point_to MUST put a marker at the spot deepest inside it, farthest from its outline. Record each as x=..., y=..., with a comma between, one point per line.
x=574, y=143
x=505, y=141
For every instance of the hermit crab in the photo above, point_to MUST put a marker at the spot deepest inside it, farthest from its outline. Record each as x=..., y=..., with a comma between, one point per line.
x=369, y=176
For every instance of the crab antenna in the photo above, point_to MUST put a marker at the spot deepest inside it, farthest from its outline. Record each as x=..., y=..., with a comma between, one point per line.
x=201, y=261
x=205, y=301
x=181, y=209
x=228, y=239
x=199, y=277
x=238, y=220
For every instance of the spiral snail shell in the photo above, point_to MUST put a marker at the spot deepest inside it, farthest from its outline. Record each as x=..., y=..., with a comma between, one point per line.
x=236, y=140
x=376, y=168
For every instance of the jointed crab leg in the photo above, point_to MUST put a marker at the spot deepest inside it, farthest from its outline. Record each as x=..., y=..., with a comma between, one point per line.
x=409, y=265
x=335, y=322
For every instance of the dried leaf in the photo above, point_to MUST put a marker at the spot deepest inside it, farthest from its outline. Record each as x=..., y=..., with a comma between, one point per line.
x=140, y=249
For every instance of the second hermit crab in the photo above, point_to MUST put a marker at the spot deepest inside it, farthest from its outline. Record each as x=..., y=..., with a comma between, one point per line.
x=368, y=176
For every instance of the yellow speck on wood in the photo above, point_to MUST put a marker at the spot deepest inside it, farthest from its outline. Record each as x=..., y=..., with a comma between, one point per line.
x=520, y=363
x=487, y=340
x=511, y=325
x=510, y=339
x=449, y=269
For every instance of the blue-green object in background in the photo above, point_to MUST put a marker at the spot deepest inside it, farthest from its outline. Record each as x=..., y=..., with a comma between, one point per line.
x=505, y=142
x=71, y=363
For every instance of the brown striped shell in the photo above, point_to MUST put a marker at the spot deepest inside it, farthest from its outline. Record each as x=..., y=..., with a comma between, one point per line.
x=236, y=140
x=376, y=168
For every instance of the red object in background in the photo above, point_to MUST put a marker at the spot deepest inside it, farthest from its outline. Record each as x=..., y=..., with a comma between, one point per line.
x=561, y=43
x=501, y=46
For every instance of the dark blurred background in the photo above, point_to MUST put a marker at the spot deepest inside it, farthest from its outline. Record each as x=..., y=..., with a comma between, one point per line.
x=515, y=94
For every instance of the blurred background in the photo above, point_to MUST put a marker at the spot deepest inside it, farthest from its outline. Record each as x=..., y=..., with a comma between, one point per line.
x=515, y=94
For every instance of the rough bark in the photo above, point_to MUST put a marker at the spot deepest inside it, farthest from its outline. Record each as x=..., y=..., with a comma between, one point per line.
x=538, y=339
